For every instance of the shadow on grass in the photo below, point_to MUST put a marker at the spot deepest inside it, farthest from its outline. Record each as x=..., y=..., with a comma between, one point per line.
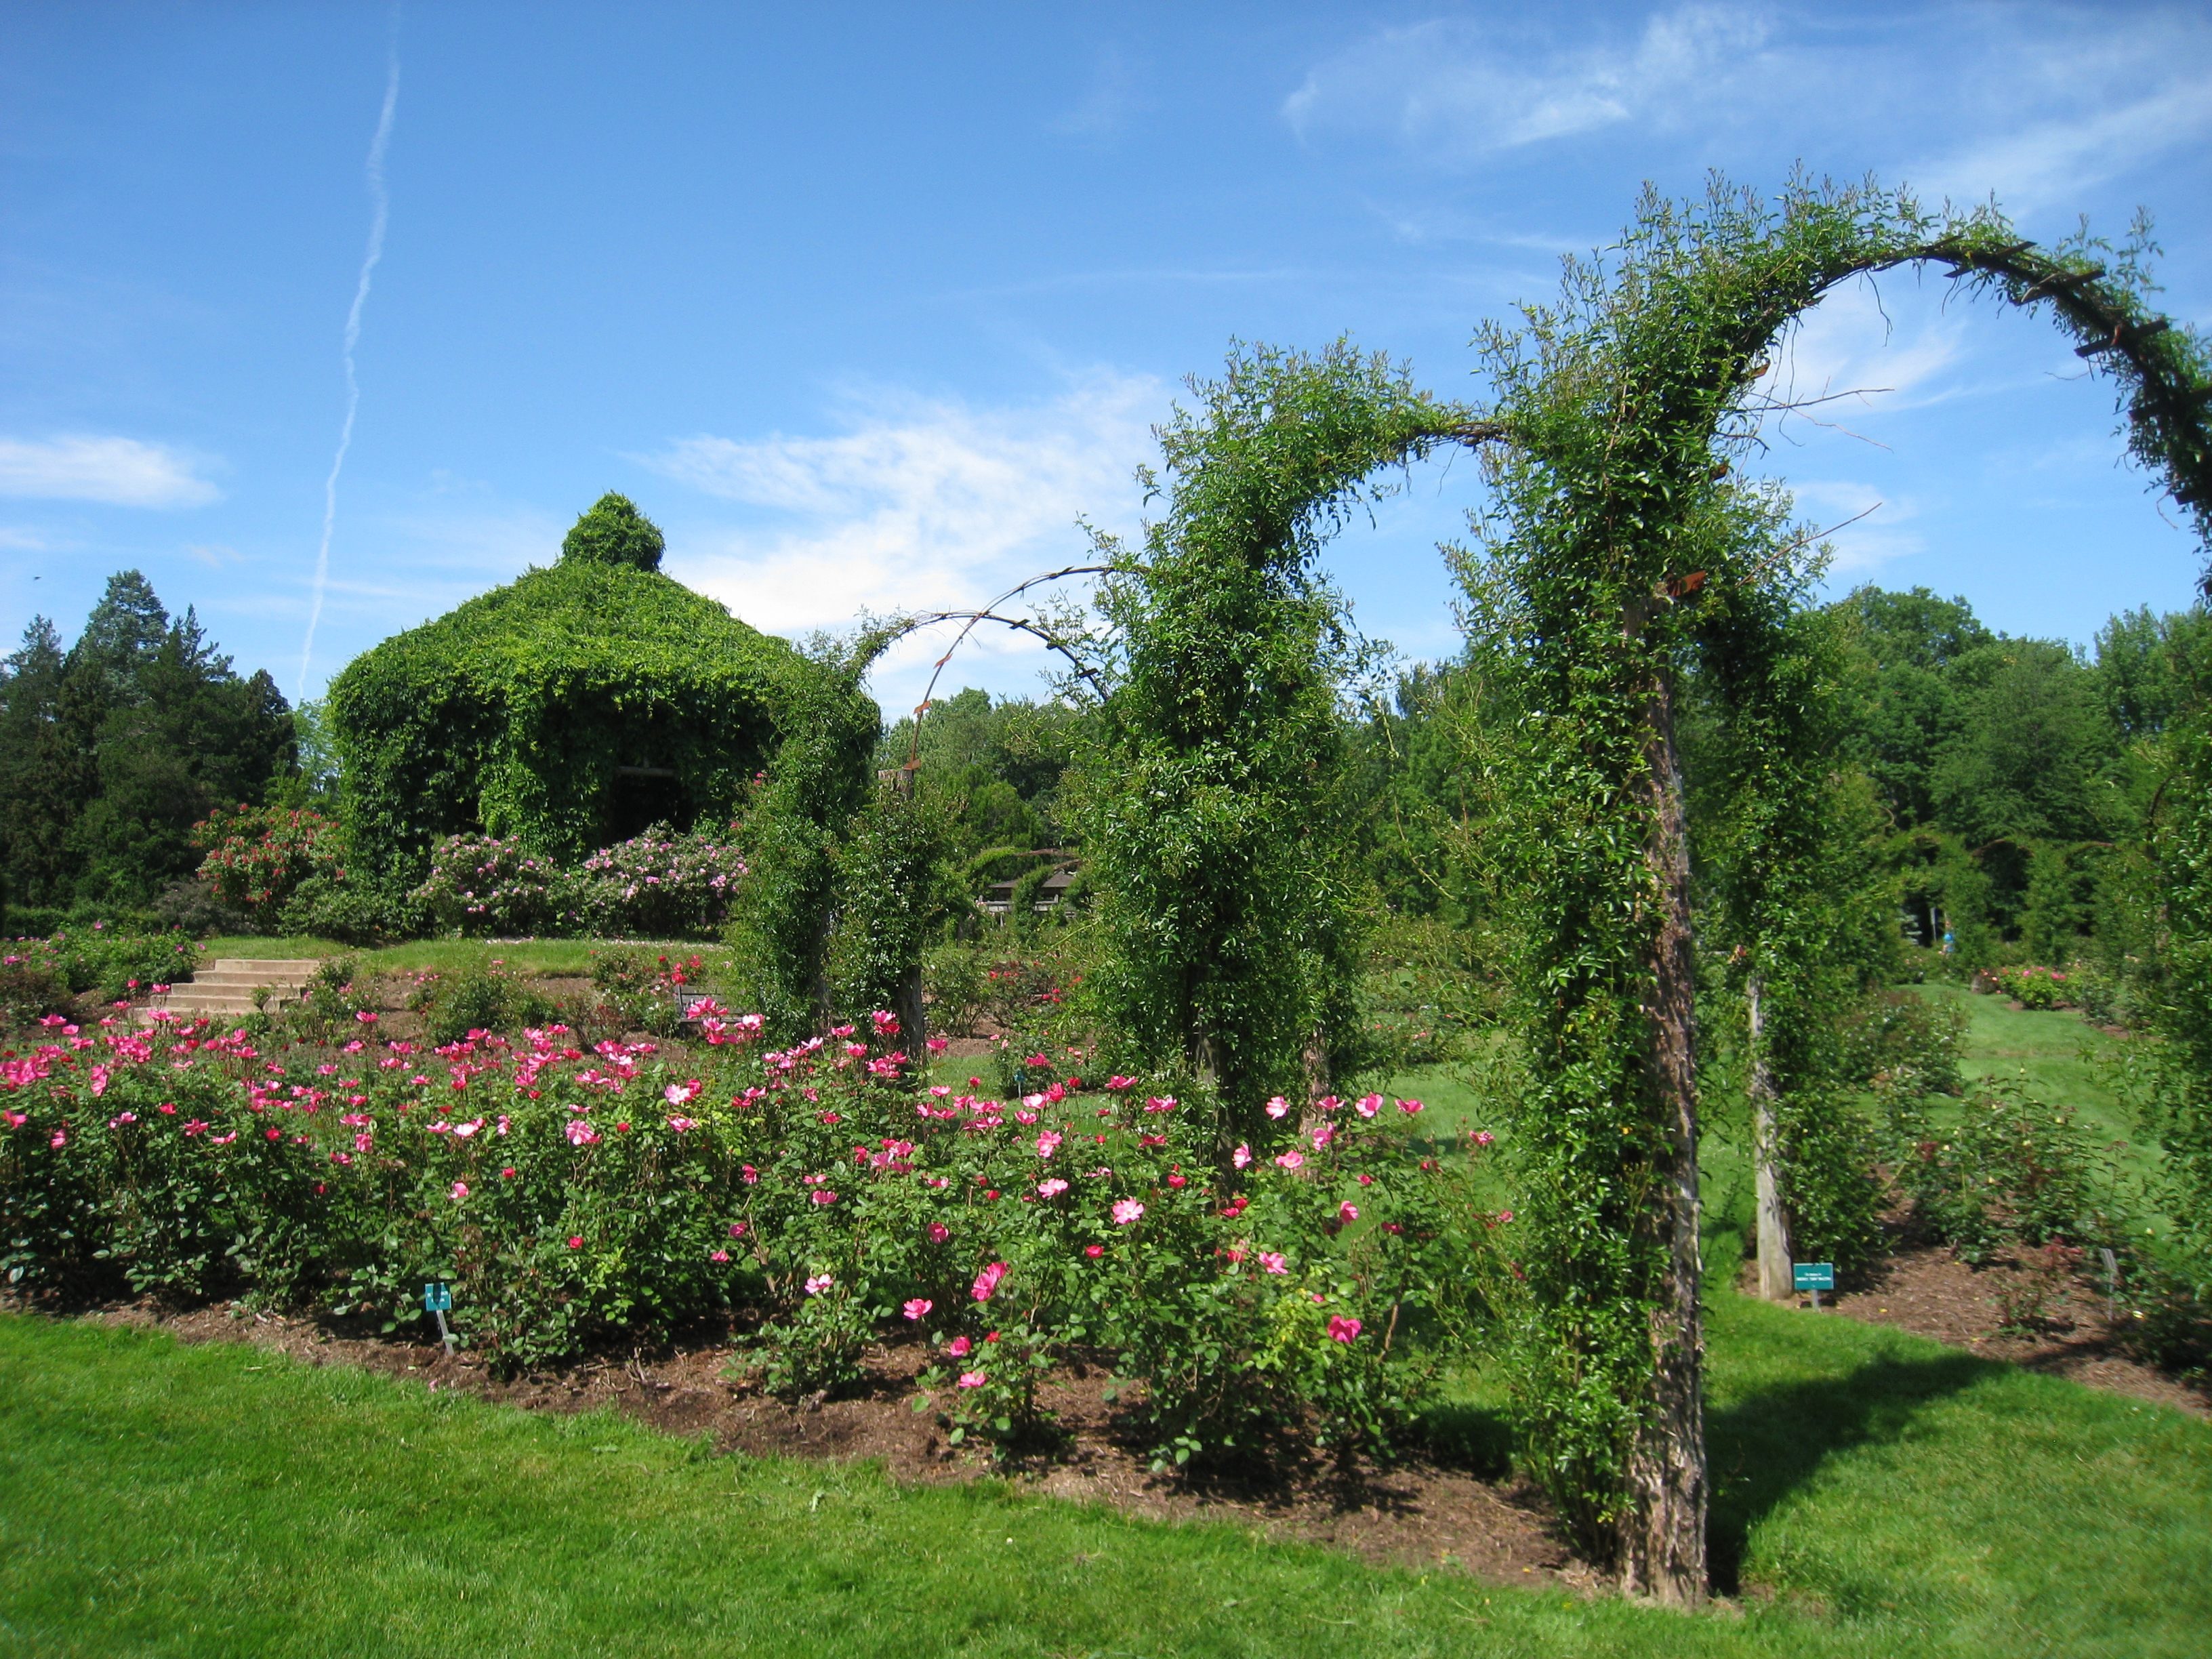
x=1763, y=1448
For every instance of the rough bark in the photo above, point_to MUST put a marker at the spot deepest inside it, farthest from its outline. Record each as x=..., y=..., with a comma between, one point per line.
x=1776, y=1281
x=1662, y=1544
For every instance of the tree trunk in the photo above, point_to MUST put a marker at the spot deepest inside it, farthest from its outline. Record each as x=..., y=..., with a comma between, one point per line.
x=1662, y=1544
x=1776, y=1281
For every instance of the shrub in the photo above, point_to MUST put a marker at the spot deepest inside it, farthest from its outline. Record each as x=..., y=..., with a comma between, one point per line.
x=194, y=906
x=482, y=884
x=656, y=886
x=258, y=855
x=474, y=999
x=2034, y=988
x=571, y=1195
x=953, y=980
x=111, y=965
x=30, y=987
x=2014, y=1169
x=352, y=912
x=1902, y=1043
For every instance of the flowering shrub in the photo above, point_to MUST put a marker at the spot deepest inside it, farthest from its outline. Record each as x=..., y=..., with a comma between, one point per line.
x=656, y=886
x=258, y=856
x=481, y=884
x=2012, y=1169
x=569, y=1194
x=115, y=965
x=2035, y=987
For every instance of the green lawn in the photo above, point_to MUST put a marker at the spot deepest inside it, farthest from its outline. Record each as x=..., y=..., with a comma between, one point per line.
x=2064, y=1059
x=1877, y=1495
x=549, y=956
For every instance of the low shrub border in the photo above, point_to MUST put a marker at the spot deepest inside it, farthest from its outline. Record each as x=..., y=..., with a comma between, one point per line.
x=568, y=1194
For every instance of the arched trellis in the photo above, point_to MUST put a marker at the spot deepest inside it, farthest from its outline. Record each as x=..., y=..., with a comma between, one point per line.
x=1625, y=403
x=1618, y=410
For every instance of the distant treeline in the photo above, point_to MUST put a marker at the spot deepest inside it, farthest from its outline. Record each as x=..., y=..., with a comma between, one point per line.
x=111, y=748
x=2006, y=772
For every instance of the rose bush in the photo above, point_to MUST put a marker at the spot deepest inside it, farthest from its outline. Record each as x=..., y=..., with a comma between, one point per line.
x=572, y=1194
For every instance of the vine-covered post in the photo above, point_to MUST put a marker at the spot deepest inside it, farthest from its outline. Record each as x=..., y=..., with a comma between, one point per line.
x=1218, y=839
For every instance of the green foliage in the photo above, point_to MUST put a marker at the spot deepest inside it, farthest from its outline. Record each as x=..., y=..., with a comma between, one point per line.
x=1622, y=402
x=2007, y=1169
x=900, y=885
x=477, y=999
x=784, y=913
x=114, y=747
x=613, y=532
x=1219, y=818
x=568, y=711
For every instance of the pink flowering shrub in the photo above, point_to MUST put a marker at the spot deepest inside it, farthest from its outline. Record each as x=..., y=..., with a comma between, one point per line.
x=657, y=885
x=483, y=885
x=2035, y=987
x=574, y=1194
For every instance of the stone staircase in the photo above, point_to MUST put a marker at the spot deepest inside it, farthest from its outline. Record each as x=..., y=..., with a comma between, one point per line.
x=223, y=990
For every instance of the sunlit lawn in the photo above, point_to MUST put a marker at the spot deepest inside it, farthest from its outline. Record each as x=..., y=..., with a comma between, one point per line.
x=1876, y=1495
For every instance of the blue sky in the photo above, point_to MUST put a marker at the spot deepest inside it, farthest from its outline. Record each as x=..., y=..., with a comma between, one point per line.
x=866, y=305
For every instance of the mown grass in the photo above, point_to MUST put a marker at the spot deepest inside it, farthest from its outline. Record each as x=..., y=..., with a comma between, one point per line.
x=1876, y=1494
x=549, y=956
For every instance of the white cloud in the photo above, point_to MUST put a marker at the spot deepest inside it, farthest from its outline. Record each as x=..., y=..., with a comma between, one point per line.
x=921, y=506
x=120, y=471
x=1868, y=535
x=1464, y=89
x=2036, y=102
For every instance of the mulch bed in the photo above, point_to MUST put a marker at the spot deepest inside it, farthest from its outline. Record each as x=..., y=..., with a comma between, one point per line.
x=1927, y=1290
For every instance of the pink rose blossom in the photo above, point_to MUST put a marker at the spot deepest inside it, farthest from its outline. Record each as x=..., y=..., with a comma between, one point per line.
x=1341, y=1330
x=1409, y=1107
x=919, y=1308
x=1347, y=1210
x=1052, y=1189
x=972, y=1379
x=1368, y=1105
x=1126, y=1211
x=938, y=1232
x=987, y=1282
x=461, y=1189
x=1293, y=1159
x=1273, y=1262
x=575, y=1243
x=1242, y=1155
x=1047, y=1144
x=1278, y=1107
x=958, y=1346
x=817, y=1283
x=1094, y=1251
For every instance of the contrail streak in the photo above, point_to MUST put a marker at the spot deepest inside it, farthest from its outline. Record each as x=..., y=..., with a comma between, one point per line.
x=381, y=202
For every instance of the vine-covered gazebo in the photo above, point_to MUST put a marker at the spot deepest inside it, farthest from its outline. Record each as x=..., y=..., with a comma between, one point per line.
x=569, y=710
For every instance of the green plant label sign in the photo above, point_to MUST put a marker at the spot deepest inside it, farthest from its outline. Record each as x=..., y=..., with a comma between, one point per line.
x=1815, y=1275
x=439, y=1298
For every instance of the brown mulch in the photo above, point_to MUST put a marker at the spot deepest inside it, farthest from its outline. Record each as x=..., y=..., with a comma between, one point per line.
x=1927, y=1290
x=1418, y=1515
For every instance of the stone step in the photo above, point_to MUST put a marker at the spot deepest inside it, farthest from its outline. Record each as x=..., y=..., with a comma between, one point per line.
x=226, y=987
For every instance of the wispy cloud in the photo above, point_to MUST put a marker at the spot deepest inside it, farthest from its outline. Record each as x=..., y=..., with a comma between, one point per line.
x=1104, y=110
x=1459, y=88
x=920, y=505
x=1871, y=535
x=119, y=471
x=2036, y=102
